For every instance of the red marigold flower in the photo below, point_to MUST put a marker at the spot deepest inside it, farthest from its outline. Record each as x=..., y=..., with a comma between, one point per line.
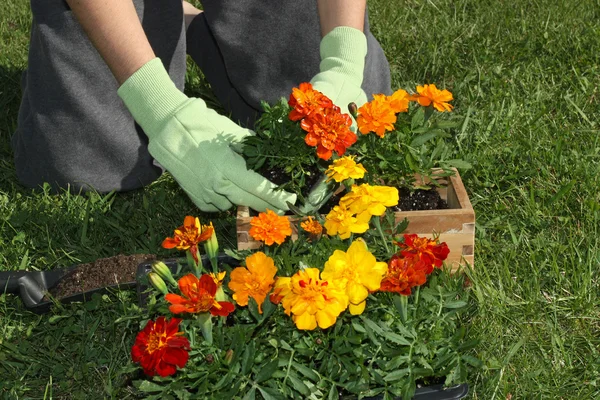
x=429, y=252
x=402, y=275
x=160, y=347
x=329, y=131
x=270, y=228
x=305, y=100
x=198, y=297
x=189, y=234
x=376, y=116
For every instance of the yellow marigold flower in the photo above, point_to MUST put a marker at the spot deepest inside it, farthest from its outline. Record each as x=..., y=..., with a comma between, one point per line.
x=341, y=221
x=270, y=228
x=366, y=200
x=310, y=300
x=345, y=168
x=311, y=226
x=357, y=271
x=429, y=94
x=256, y=280
x=376, y=116
x=399, y=101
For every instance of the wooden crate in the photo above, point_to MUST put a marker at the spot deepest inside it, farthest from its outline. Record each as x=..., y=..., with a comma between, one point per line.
x=455, y=225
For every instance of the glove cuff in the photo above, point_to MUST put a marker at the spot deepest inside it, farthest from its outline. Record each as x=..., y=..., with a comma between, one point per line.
x=151, y=96
x=343, y=50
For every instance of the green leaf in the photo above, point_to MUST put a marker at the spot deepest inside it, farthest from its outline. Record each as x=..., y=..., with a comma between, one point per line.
x=455, y=304
x=149, y=387
x=418, y=119
x=458, y=164
x=333, y=393
x=396, y=375
x=397, y=339
x=307, y=372
x=248, y=358
x=475, y=362
x=424, y=138
x=270, y=394
x=299, y=385
x=266, y=371
x=251, y=395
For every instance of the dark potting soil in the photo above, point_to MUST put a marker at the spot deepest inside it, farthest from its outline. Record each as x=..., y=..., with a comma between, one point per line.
x=414, y=200
x=420, y=200
x=103, y=272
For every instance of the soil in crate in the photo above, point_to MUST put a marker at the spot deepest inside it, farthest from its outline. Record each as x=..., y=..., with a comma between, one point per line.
x=103, y=272
x=410, y=200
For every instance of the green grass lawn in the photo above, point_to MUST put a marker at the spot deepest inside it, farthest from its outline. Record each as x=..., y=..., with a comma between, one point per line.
x=527, y=76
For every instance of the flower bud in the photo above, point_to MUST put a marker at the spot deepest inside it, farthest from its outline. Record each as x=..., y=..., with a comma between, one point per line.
x=353, y=109
x=161, y=269
x=211, y=246
x=158, y=283
x=229, y=356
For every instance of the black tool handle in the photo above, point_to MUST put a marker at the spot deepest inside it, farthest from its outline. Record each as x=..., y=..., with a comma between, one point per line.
x=9, y=281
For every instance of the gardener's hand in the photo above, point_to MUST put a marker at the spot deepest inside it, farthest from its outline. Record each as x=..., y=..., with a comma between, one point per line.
x=343, y=51
x=193, y=143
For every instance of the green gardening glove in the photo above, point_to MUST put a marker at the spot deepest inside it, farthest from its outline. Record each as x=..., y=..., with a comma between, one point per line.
x=343, y=52
x=192, y=142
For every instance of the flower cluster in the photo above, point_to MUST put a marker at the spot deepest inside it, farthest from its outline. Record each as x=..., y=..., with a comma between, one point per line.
x=326, y=127
x=380, y=115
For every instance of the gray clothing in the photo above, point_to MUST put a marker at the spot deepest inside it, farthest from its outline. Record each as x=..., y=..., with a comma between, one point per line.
x=73, y=130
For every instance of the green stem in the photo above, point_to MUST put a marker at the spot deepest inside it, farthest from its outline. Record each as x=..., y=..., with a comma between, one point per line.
x=377, y=223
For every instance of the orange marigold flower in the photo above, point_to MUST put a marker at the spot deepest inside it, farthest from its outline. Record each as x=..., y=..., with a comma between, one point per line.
x=160, y=347
x=312, y=226
x=429, y=94
x=402, y=275
x=329, y=131
x=198, y=297
x=399, y=100
x=256, y=280
x=376, y=116
x=429, y=252
x=270, y=228
x=305, y=100
x=189, y=234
